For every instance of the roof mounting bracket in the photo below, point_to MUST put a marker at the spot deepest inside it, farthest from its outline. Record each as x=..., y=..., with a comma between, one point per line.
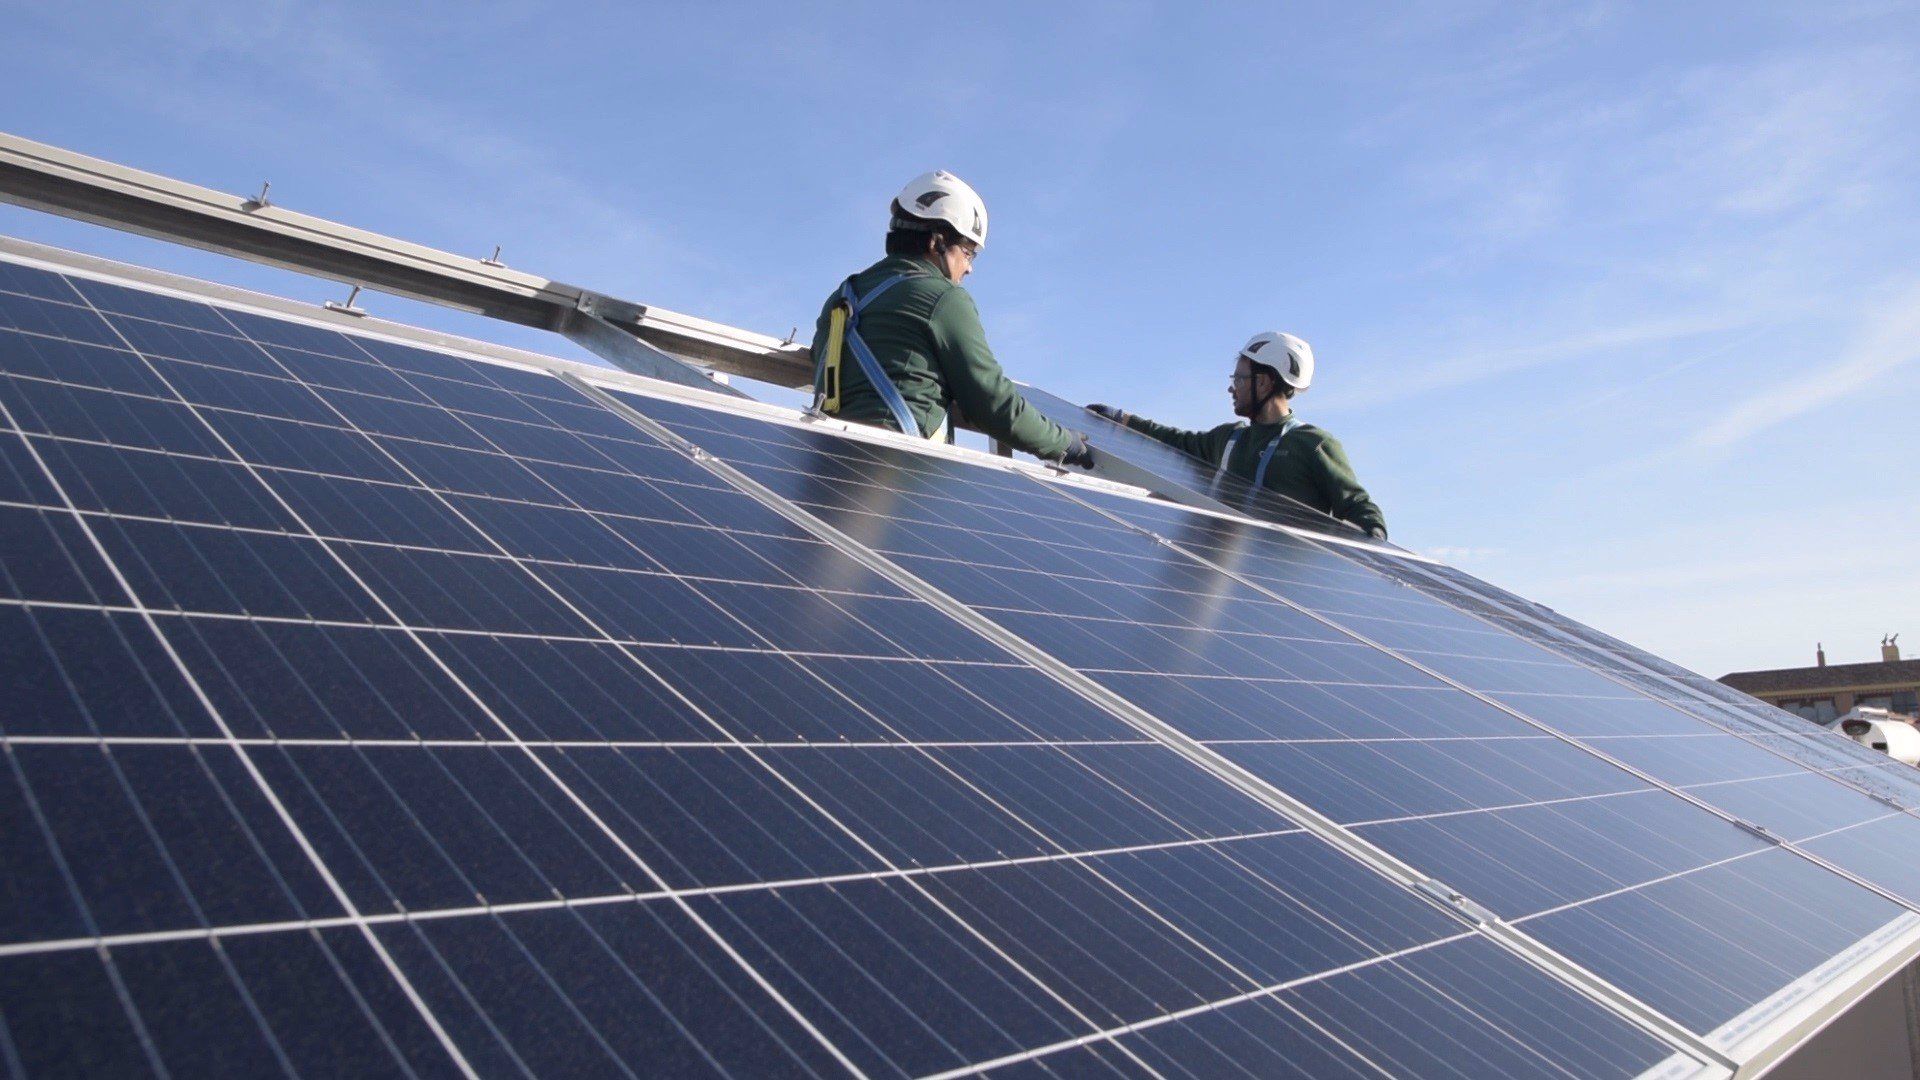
x=1460, y=902
x=617, y=345
x=347, y=307
x=1760, y=831
x=609, y=308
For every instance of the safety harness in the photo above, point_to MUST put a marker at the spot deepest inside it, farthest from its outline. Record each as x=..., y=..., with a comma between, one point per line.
x=1266, y=455
x=843, y=330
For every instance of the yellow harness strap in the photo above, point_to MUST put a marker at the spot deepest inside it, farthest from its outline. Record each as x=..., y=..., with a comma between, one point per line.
x=830, y=370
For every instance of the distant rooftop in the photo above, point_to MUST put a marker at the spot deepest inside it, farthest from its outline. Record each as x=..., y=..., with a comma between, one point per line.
x=1829, y=677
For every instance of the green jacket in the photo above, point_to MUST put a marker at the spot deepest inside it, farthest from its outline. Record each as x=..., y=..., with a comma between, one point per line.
x=926, y=334
x=1309, y=466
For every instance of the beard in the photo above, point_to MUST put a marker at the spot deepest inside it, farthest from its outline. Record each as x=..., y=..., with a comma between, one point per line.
x=1246, y=409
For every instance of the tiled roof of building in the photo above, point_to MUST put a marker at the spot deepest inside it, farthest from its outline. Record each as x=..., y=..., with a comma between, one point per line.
x=1831, y=677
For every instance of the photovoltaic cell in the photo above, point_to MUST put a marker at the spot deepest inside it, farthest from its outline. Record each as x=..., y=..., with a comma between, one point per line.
x=446, y=720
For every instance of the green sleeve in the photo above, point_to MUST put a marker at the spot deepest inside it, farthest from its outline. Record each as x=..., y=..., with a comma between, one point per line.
x=1205, y=445
x=1346, y=499
x=986, y=397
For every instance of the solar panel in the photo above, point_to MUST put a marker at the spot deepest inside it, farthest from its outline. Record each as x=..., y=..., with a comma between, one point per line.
x=387, y=710
x=1280, y=667
x=396, y=712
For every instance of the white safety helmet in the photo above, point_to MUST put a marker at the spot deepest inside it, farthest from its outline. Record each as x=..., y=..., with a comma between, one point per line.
x=1284, y=353
x=942, y=196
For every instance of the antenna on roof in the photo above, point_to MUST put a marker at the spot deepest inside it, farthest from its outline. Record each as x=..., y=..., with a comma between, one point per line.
x=494, y=259
x=259, y=201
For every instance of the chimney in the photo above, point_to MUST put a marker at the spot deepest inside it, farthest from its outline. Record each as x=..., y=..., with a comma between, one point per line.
x=1819, y=655
x=1890, y=648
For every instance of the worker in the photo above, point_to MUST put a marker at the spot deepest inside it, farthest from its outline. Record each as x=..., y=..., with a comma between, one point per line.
x=1272, y=448
x=900, y=345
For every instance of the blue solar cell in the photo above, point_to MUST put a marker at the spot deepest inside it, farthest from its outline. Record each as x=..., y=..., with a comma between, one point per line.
x=160, y=846
x=374, y=512
x=283, y=444
x=37, y=899
x=220, y=571
x=888, y=977
x=1493, y=1017
x=33, y=281
x=770, y=697
x=66, y=1016
x=1113, y=961
x=707, y=817
x=572, y=690
x=142, y=483
x=101, y=416
x=114, y=299
x=161, y=341
x=71, y=362
x=1704, y=972
x=21, y=478
x=68, y=321
x=296, y=680
x=221, y=388
x=79, y=673
x=1279, y=907
x=44, y=555
x=665, y=998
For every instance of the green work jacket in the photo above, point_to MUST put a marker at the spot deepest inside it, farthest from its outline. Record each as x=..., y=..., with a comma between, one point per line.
x=1309, y=466
x=927, y=336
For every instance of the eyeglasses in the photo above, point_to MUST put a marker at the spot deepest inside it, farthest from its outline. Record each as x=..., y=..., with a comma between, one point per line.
x=1239, y=378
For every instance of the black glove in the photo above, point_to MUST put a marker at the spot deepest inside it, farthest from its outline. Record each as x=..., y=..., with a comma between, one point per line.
x=1077, y=452
x=1378, y=533
x=1108, y=411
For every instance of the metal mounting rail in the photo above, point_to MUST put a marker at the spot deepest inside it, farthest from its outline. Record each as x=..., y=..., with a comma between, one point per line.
x=57, y=181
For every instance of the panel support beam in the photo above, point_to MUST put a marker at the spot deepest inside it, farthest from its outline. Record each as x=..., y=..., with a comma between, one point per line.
x=57, y=181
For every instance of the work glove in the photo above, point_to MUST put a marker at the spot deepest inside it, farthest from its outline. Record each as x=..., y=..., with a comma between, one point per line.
x=1078, y=452
x=1108, y=411
x=1378, y=533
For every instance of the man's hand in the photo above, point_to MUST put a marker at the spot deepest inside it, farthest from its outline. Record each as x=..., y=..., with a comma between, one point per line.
x=1109, y=412
x=1077, y=452
x=1378, y=533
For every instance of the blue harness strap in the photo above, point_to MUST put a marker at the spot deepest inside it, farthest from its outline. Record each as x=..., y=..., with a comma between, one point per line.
x=1266, y=453
x=869, y=364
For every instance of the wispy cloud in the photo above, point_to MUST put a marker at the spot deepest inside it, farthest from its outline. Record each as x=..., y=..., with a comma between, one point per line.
x=272, y=69
x=1888, y=339
x=1464, y=554
x=1415, y=376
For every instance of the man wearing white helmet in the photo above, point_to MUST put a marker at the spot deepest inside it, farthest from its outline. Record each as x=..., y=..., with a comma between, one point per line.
x=1272, y=448
x=900, y=345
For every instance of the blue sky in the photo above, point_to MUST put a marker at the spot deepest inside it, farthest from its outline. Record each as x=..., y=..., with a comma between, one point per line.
x=1616, y=306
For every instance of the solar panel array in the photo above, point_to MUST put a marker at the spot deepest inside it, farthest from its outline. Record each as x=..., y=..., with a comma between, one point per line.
x=379, y=710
